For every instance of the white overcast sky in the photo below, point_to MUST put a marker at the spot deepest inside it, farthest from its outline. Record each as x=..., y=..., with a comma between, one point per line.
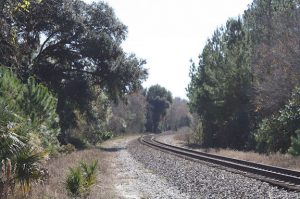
x=168, y=33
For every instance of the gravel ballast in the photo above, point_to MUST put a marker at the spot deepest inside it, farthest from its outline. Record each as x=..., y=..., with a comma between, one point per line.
x=131, y=180
x=197, y=180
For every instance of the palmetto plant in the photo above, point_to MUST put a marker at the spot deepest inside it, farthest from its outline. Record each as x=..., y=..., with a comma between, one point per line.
x=11, y=138
x=28, y=121
x=80, y=179
x=89, y=173
x=27, y=167
x=74, y=181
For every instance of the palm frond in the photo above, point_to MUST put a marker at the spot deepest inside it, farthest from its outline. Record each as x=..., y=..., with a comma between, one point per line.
x=28, y=170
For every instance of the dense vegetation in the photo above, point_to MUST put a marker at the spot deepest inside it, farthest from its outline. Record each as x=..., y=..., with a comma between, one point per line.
x=29, y=127
x=66, y=82
x=74, y=49
x=61, y=65
x=245, y=86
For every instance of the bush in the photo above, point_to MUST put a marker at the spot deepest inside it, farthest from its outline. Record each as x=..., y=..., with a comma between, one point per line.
x=277, y=132
x=27, y=168
x=89, y=173
x=199, y=135
x=74, y=181
x=106, y=135
x=295, y=145
x=28, y=125
x=29, y=110
x=80, y=179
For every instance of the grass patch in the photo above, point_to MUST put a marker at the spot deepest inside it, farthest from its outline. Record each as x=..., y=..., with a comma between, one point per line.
x=275, y=159
x=59, y=167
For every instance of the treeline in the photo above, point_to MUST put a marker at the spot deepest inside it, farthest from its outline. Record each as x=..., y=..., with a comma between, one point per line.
x=150, y=110
x=245, y=87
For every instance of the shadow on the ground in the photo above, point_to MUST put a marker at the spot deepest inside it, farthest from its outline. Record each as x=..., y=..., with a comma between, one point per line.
x=112, y=149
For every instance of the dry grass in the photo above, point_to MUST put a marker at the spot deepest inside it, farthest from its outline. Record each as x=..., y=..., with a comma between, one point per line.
x=276, y=159
x=58, y=167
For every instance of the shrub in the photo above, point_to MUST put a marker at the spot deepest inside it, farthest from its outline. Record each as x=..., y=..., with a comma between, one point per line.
x=27, y=168
x=89, y=173
x=29, y=110
x=277, y=132
x=198, y=137
x=106, y=135
x=74, y=181
x=28, y=121
x=295, y=145
x=80, y=178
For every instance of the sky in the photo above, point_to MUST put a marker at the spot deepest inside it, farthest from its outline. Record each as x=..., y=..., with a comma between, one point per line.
x=169, y=33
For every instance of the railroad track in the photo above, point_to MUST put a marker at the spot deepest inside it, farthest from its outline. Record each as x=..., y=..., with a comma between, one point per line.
x=281, y=177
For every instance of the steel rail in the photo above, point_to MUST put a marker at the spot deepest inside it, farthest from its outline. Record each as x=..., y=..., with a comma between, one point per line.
x=281, y=177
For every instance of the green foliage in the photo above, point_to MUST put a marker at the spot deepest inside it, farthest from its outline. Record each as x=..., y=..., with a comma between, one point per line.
x=220, y=86
x=28, y=112
x=89, y=173
x=28, y=126
x=27, y=168
x=77, y=49
x=159, y=100
x=105, y=136
x=195, y=130
x=278, y=132
x=74, y=181
x=246, y=74
x=295, y=144
x=11, y=130
x=95, y=124
x=80, y=179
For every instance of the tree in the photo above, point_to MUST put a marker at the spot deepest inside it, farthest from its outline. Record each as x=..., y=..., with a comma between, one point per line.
x=159, y=100
x=275, y=52
x=129, y=116
x=220, y=87
x=242, y=88
x=178, y=115
x=275, y=70
x=279, y=132
x=70, y=46
x=28, y=114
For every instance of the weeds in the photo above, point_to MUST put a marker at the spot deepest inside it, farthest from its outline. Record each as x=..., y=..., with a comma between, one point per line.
x=7, y=178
